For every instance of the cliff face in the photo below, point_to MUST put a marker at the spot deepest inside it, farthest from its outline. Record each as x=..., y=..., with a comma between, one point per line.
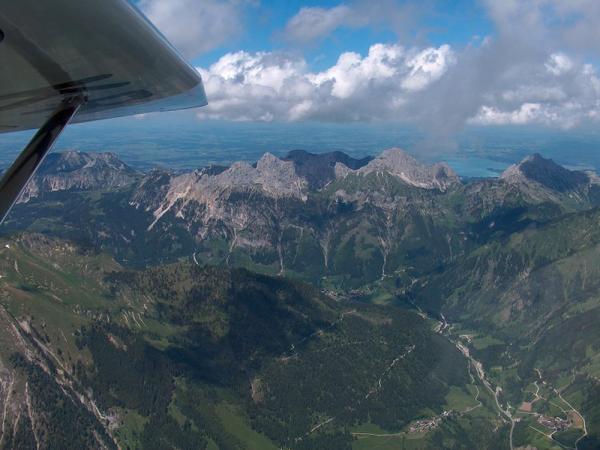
x=283, y=206
x=293, y=178
x=400, y=164
x=204, y=195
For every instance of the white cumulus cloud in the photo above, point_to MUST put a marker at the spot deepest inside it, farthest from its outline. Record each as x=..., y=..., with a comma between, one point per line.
x=427, y=66
x=559, y=64
x=431, y=86
x=531, y=69
x=558, y=92
x=526, y=113
x=270, y=86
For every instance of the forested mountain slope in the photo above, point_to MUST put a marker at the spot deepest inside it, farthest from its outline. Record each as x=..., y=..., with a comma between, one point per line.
x=313, y=301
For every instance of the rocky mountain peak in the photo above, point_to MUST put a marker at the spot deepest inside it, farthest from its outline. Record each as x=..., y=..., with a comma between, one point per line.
x=271, y=164
x=212, y=169
x=73, y=160
x=320, y=169
x=211, y=188
x=545, y=172
x=73, y=170
x=402, y=165
x=274, y=176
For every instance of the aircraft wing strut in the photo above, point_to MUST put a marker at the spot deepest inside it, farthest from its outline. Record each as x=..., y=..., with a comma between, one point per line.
x=70, y=61
x=16, y=177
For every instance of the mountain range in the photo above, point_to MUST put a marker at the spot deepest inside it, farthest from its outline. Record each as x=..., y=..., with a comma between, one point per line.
x=309, y=301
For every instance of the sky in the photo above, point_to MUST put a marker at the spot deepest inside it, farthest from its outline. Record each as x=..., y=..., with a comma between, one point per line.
x=477, y=80
x=438, y=65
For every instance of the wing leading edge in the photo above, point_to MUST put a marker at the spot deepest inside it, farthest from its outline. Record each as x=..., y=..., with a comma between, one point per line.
x=104, y=51
x=67, y=61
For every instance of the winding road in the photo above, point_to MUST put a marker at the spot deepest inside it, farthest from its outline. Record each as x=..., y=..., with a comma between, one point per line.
x=443, y=328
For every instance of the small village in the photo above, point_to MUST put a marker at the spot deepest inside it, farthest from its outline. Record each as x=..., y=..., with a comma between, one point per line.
x=425, y=425
x=554, y=423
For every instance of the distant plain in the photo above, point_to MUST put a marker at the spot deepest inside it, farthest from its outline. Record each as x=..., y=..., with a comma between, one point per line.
x=179, y=141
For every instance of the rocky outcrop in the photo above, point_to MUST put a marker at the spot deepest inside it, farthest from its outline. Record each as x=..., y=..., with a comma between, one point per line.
x=76, y=171
x=271, y=177
x=400, y=164
x=546, y=172
x=320, y=169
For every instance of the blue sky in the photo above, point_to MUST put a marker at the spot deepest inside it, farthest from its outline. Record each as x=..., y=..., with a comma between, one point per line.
x=457, y=23
x=439, y=66
x=408, y=73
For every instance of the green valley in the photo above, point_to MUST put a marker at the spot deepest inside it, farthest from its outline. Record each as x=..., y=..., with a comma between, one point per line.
x=375, y=303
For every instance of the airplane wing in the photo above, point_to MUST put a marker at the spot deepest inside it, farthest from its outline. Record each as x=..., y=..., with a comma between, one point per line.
x=104, y=50
x=74, y=61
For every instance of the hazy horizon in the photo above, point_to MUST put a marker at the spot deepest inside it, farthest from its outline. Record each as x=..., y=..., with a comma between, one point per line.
x=175, y=142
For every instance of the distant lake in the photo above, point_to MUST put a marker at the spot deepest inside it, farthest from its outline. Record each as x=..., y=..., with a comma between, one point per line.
x=178, y=141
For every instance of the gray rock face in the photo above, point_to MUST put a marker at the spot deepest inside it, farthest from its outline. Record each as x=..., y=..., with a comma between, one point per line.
x=204, y=195
x=268, y=214
x=79, y=171
x=547, y=173
x=272, y=177
x=400, y=164
x=319, y=169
